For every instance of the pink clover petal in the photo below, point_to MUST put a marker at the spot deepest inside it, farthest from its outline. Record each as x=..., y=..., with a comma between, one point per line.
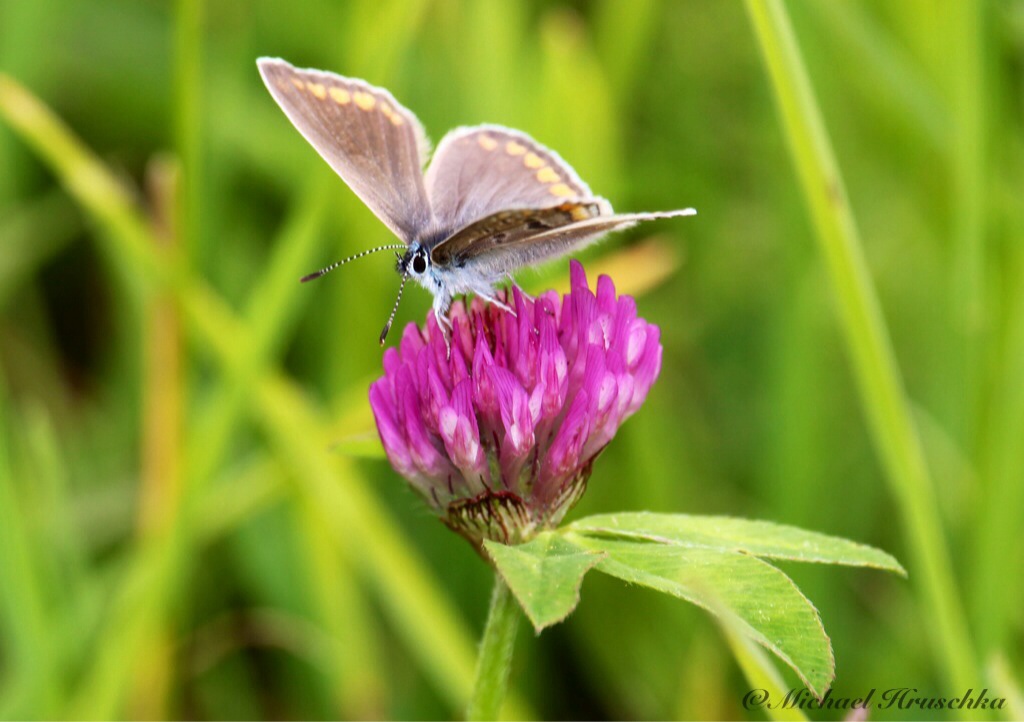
x=459, y=369
x=485, y=395
x=636, y=343
x=514, y=406
x=434, y=396
x=563, y=455
x=577, y=277
x=411, y=343
x=422, y=451
x=391, y=436
x=459, y=431
x=392, y=360
x=537, y=403
x=606, y=300
x=647, y=369
x=625, y=314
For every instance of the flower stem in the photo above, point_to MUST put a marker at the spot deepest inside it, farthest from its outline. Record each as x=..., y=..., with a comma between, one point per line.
x=495, y=658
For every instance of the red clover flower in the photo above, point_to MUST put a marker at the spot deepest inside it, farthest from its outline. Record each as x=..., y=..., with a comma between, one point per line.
x=499, y=437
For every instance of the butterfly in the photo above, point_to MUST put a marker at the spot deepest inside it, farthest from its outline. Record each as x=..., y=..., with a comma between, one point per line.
x=492, y=200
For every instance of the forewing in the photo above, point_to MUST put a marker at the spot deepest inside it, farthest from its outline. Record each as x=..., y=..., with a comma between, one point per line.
x=492, y=260
x=479, y=171
x=370, y=140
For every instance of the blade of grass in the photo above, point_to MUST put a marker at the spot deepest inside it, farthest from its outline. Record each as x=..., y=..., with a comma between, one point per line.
x=967, y=181
x=1002, y=677
x=886, y=71
x=878, y=377
x=995, y=594
x=135, y=620
x=21, y=25
x=241, y=492
x=50, y=474
x=274, y=302
x=110, y=204
x=352, y=664
x=133, y=652
x=161, y=481
x=162, y=411
x=24, y=617
x=188, y=87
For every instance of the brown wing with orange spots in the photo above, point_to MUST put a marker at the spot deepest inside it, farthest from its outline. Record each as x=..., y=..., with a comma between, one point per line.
x=573, y=226
x=370, y=140
x=505, y=229
x=479, y=171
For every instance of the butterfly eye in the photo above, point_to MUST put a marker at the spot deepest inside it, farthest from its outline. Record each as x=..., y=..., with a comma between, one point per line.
x=419, y=264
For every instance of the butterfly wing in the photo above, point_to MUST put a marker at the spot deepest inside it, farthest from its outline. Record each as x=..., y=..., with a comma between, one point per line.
x=506, y=229
x=480, y=171
x=494, y=255
x=370, y=140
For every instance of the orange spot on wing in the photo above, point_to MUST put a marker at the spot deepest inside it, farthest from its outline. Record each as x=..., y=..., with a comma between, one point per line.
x=532, y=160
x=546, y=175
x=487, y=142
x=341, y=96
x=390, y=113
x=318, y=90
x=561, y=190
x=298, y=84
x=365, y=101
x=513, y=148
x=579, y=213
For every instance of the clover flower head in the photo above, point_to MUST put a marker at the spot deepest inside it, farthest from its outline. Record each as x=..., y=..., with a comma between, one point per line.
x=499, y=436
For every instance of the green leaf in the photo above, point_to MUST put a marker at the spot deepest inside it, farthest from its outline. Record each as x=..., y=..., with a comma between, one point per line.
x=544, y=574
x=758, y=538
x=754, y=597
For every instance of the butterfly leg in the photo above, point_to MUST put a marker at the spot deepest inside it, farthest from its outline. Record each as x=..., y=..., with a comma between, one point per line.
x=442, y=321
x=488, y=295
x=441, y=315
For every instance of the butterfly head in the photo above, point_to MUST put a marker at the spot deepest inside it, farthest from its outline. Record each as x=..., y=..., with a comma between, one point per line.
x=414, y=262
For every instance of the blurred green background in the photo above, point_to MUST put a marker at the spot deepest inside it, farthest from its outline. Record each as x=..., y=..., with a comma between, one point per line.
x=195, y=518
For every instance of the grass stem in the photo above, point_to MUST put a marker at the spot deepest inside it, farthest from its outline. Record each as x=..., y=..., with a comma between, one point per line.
x=878, y=377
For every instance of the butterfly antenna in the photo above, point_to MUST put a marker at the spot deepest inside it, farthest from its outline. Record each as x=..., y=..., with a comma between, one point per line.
x=394, y=309
x=342, y=262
